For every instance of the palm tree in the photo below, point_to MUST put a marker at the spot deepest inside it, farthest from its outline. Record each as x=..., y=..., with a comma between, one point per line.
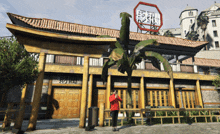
x=168, y=33
x=203, y=21
x=127, y=63
x=193, y=35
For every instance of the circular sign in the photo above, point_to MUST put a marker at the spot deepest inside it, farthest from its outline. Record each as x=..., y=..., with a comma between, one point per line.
x=144, y=17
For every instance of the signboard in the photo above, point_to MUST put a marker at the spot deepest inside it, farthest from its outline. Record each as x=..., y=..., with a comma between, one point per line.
x=148, y=18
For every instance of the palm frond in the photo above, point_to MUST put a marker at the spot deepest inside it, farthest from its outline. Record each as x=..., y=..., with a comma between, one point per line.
x=116, y=54
x=125, y=26
x=107, y=65
x=145, y=43
x=165, y=63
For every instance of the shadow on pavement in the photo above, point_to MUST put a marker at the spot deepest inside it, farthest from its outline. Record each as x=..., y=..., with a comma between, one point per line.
x=53, y=124
x=126, y=126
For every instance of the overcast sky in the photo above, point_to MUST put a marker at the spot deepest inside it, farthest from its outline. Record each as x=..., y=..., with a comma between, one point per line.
x=101, y=13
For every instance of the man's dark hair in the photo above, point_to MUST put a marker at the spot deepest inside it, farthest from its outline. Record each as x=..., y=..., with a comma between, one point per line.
x=114, y=90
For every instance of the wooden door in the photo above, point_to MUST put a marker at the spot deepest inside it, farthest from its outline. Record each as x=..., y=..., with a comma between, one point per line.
x=68, y=103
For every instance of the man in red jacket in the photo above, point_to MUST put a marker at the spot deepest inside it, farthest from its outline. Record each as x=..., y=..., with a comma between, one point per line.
x=114, y=98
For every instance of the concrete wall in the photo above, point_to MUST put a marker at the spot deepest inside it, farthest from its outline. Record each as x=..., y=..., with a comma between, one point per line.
x=209, y=94
x=185, y=21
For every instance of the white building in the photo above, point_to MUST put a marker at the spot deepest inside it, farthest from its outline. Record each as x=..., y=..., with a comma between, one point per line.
x=188, y=22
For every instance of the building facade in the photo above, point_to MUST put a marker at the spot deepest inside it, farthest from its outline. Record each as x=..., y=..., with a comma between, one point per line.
x=72, y=65
x=188, y=22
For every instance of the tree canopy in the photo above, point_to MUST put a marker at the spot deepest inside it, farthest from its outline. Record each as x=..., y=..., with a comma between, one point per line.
x=202, y=21
x=168, y=33
x=17, y=66
x=193, y=35
x=216, y=82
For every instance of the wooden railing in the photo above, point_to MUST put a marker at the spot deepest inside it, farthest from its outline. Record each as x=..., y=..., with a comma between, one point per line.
x=8, y=114
x=201, y=112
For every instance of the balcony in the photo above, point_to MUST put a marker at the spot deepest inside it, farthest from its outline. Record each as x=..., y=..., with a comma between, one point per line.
x=144, y=65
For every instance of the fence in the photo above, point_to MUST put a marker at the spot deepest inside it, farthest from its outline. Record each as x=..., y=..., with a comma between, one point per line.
x=8, y=114
x=179, y=114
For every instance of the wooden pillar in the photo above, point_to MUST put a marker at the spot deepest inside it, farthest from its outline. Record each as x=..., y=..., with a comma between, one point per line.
x=84, y=92
x=198, y=91
x=142, y=95
x=119, y=94
x=108, y=91
x=49, y=99
x=37, y=94
x=101, y=115
x=155, y=96
x=177, y=64
x=139, y=99
x=90, y=92
x=172, y=95
x=165, y=98
x=20, y=116
x=134, y=99
x=124, y=100
x=151, y=98
x=7, y=117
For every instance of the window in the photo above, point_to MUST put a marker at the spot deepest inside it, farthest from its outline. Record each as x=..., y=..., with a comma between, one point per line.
x=185, y=32
x=216, y=44
x=190, y=13
x=213, y=23
x=215, y=33
x=191, y=21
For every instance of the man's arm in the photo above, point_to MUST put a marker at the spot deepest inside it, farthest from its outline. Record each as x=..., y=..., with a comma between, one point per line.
x=112, y=98
x=119, y=99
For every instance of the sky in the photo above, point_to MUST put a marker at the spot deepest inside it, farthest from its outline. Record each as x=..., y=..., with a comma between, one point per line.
x=101, y=13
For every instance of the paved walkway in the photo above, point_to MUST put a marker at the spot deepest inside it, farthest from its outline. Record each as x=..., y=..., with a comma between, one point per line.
x=70, y=126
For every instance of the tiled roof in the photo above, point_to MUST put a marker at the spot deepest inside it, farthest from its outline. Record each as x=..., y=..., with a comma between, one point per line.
x=189, y=8
x=203, y=62
x=49, y=24
x=216, y=4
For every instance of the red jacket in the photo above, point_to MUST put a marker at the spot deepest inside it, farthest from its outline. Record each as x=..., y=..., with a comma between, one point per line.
x=114, y=102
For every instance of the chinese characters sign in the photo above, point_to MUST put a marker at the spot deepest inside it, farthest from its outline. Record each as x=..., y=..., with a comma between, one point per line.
x=68, y=80
x=147, y=18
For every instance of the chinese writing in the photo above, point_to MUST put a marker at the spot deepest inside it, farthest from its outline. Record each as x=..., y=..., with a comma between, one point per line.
x=148, y=17
x=68, y=80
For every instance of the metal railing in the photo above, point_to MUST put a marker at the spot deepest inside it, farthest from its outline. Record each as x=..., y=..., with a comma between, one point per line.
x=181, y=115
x=184, y=68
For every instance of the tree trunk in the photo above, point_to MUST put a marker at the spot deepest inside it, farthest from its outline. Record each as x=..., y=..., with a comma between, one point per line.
x=129, y=100
x=4, y=96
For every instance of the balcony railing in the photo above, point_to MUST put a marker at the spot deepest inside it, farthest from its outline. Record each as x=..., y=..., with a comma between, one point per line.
x=144, y=65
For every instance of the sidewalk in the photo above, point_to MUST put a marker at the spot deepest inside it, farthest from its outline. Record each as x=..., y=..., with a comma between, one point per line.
x=71, y=126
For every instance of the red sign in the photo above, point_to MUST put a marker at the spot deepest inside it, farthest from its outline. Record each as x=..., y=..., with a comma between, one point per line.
x=143, y=20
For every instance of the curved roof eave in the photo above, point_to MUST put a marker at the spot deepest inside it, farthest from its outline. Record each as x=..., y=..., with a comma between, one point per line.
x=40, y=24
x=13, y=28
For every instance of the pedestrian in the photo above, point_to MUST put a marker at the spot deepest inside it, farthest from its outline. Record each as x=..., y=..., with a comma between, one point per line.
x=114, y=98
